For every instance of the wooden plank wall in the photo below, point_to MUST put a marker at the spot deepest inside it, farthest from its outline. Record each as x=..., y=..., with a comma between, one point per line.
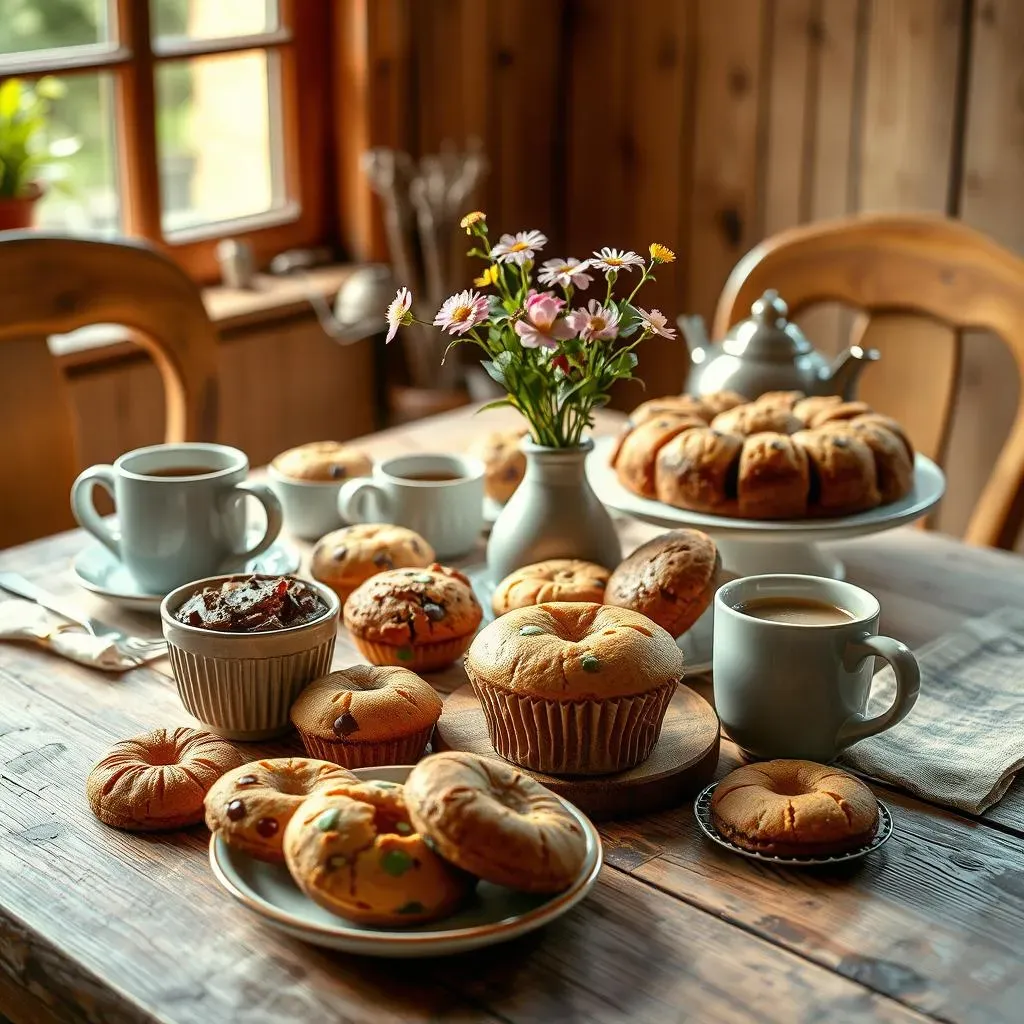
x=708, y=124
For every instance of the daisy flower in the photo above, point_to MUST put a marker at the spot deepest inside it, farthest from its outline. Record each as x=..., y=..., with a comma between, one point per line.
x=470, y=219
x=655, y=321
x=596, y=322
x=518, y=248
x=661, y=253
x=398, y=312
x=565, y=273
x=488, y=278
x=541, y=327
x=461, y=312
x=616, y=259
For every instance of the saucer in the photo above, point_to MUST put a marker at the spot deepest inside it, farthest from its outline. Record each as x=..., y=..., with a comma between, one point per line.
x=494, y=914
x=97, y=570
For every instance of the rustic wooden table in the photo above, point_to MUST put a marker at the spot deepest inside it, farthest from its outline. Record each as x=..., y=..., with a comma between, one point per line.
x=100, y=925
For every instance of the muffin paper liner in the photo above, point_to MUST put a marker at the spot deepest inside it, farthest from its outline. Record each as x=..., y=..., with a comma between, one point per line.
x=417, y=657
x=246, y=698
x=406, y=750
x=589, y=737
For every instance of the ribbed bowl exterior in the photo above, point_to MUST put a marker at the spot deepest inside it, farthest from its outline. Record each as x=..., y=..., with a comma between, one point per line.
x=405, y=750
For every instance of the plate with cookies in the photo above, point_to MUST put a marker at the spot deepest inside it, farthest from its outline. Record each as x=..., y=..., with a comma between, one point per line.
x=453, y=854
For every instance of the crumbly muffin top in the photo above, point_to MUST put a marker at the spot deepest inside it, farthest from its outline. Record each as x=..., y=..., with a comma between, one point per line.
x=355, y=553
x=323, y=461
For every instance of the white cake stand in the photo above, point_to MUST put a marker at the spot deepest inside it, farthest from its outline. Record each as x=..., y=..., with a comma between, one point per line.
x=752, y=547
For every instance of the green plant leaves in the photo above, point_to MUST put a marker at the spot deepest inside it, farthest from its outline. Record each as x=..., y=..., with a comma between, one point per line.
x=24, y=148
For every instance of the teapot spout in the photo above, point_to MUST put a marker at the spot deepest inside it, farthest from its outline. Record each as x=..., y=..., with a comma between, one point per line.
x=844, y=373
x=696, y=337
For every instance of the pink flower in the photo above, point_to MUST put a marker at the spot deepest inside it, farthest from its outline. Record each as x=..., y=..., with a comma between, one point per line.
x=655, y=323
x=541, y=327
x=609, y=259
x=565, y=273
x=461, y=312
x=398, y=313
x=518, y=248
x=596, y=322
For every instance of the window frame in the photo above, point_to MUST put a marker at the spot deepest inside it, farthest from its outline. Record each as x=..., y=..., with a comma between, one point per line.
x=301, y=47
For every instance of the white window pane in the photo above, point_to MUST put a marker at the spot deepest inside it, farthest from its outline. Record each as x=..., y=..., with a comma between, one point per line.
x=27, y=25
x=212, y=19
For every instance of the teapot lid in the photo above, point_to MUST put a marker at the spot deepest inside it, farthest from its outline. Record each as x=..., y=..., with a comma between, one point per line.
x=767, y=333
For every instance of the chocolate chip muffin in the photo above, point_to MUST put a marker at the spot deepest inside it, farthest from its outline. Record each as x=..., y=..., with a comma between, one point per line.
x=422, y=619
x=323, y=462
x=504, y=463
x=365, y=716
x=670, y=579
x=557, y=579
x=345, y=558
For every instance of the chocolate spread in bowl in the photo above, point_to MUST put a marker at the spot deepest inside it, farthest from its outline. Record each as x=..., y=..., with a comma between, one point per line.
x=253, y=605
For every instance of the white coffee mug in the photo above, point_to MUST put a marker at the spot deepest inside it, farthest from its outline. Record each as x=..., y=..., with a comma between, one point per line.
x=441, y=497
x=786, y=689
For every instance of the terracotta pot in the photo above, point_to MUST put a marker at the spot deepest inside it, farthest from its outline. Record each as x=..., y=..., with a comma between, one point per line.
x=19, y=213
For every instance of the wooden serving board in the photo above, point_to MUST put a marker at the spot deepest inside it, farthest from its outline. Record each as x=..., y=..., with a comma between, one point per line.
x=683, y=761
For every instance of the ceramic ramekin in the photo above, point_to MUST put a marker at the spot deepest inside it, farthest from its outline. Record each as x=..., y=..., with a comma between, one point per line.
x=242, y=685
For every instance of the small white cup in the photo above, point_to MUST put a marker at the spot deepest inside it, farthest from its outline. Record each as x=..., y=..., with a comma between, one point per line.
x=448, y=514
x=310, y=506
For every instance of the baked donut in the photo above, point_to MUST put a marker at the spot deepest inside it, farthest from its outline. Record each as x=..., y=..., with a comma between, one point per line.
x=755, y=418
x=504, y=462
x=323, y=462
x=346, y=558
x=353, y=849
x=632, y=457
x=158, y=780
x=794, y=807
x=843, y=479
x=557, y=579
x=251, y=805
x=367, y=715
x=699, y=470
x=495, y=822
x=774, y=479
x=670, y=579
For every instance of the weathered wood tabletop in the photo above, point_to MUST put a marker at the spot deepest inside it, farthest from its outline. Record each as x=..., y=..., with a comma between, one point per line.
x=105, y=926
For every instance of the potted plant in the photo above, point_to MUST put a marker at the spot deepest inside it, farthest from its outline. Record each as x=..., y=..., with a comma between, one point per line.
x=557, y=358
x=26, y=153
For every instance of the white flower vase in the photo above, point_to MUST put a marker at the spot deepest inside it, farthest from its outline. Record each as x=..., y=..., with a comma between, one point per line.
x=554, y=513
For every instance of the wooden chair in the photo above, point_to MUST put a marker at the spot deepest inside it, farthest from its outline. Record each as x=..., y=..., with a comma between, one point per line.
x=52, y=285
x=919, y=281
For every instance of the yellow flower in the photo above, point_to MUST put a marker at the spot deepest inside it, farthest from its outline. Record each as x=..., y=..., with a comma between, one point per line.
x=488, y=278
x=662, y=253
x=470, y=219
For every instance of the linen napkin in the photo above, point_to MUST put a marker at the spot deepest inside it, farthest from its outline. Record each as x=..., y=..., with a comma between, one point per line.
x=22, y=620
x=963, y=742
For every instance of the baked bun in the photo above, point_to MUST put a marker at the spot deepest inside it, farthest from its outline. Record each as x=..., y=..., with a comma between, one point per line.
x=365, y=715
x=495, y=822
x=887, y=423
x=158, y=780
x=353, y=850
x=774, y=478
x=634, y=457
x=557, y=579
x=843, y=479
x=670, y=579
x=807, y=408
x=574, y=689
x=699, y=470
x=838, y=411
x=785, y=400
x=718, y=401
x=504, y=462
x=346, y=558
x=250, y=806
x=670, y=405
x=894, y=466
x=323, y=462
x=755, y=418
x=794, y=807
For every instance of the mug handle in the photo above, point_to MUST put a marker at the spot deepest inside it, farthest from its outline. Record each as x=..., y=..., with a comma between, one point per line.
x=268, y=499
x=908, y=685
x=352, y=500
x=84, y=509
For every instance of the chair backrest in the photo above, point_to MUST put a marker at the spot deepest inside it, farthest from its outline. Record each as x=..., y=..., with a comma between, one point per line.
x=920, y=280
x=53, y=285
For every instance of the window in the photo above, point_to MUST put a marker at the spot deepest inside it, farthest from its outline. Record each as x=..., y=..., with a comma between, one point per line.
x=188, y=118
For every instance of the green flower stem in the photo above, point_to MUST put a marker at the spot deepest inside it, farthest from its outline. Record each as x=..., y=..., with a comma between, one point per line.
x=647, y=275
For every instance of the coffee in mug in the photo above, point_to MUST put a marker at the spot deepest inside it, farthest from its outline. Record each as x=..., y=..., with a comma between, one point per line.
x=793, y=663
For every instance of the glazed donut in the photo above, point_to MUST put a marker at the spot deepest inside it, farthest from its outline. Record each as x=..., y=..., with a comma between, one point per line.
x=495, y=822
x=794, y=807
x=557, y=579
x=251, y=805
x=158, y=780
x=352, y=849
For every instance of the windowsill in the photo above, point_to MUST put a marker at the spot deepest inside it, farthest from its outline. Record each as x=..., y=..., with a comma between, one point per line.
x=271, y=299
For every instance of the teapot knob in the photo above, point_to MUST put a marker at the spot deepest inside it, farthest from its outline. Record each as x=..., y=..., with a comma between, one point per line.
x=770, y=308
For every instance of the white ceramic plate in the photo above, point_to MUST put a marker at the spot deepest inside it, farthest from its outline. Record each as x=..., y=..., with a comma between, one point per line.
x=97, y=570
x=702, y=811
x=494, y=915
x=929, y=486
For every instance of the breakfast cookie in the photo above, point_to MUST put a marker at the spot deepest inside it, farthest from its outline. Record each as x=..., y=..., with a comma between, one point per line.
x=422, y=619
x=345, y=558
x=353, y=849
x=670, y=579
x=495, y=822
x=323, y=462
x=366, y=715
x=158, y=780
x=557, y=579
x=251, y=805
x=504, y=462
x=790, y=807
